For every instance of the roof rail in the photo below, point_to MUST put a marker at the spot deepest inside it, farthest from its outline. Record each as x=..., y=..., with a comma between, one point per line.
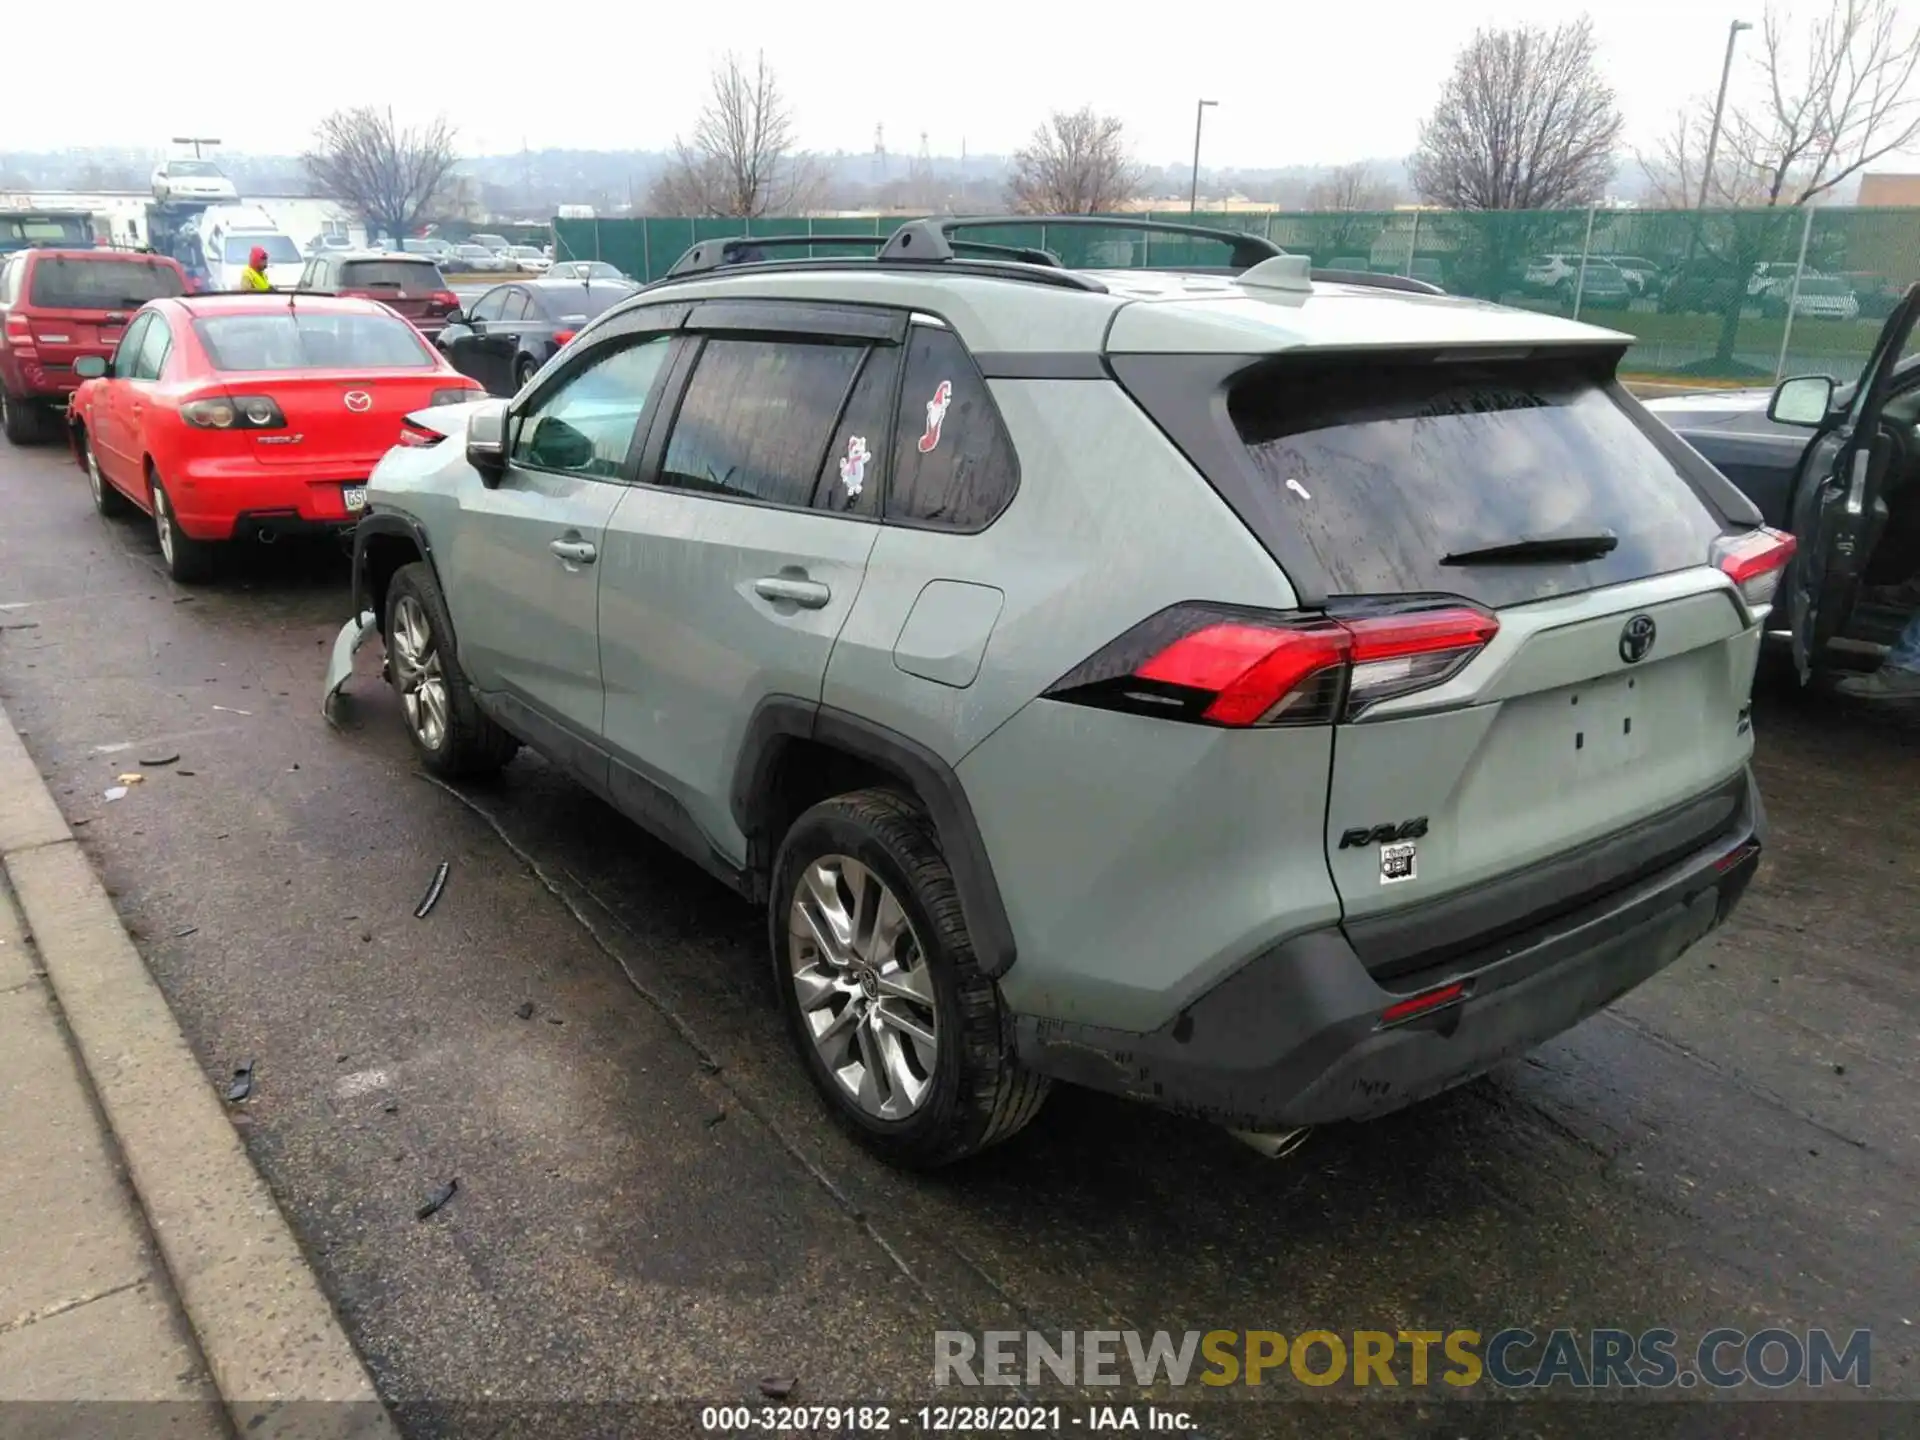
x=926, y=239
x=1378, y=282
x=707, y=255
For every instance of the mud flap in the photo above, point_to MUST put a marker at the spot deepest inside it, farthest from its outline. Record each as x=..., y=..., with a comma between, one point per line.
x=340, y=667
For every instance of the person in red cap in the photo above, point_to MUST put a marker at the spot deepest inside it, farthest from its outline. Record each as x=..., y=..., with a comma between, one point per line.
x=254, y=277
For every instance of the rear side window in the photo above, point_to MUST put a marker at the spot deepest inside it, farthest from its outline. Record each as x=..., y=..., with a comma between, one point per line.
x=403, y=277
x=284, y=340
x=852, y=478
x=954, y=465
x=757, y=418
x=60, y=283
x=1385, y=470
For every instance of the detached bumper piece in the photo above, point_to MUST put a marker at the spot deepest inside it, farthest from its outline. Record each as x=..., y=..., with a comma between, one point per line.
x=1304, y=1034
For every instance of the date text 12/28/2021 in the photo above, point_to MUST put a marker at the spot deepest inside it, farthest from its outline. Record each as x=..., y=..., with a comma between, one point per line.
x=943, y=1419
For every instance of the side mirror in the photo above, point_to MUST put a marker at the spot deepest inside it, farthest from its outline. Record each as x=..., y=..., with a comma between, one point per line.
x=487, y=441
x=90, y=367
x=1804, y=400
x=454, y=330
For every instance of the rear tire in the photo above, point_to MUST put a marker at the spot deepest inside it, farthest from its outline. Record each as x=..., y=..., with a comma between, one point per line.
x=189, y=561
x=23, y=421
x=524, y=372
x=904, y=1038
x=452, y=735
x=107, y=501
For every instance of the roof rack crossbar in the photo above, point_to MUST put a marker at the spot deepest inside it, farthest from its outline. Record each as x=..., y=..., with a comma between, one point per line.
x=729, y=250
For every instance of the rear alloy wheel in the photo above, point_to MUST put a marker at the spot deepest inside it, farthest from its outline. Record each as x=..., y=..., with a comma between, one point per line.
x=106, y=500
x=189, y=561
x=20, y=419
x=523, y=373
x=454, y=738
x=904, y=1038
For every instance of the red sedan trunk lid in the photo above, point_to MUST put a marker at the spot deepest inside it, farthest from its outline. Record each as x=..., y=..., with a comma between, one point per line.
x=348, y=417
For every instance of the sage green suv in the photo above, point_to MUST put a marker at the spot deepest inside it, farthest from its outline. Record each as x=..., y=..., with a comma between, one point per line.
x=1270, y=695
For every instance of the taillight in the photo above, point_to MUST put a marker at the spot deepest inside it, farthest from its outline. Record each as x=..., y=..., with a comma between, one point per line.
x=1755, y=562
x=445, y=299
x=1218, y=665
x=415, y=436
x=561, y=337
x=234, y=412
x=1424, y=1003
x=19, y=331
x=459, y=395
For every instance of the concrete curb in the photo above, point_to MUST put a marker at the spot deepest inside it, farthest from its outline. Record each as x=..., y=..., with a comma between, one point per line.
x=278, y=1355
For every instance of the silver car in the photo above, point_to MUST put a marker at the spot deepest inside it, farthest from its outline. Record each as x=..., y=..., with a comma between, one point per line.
x=1273, y=699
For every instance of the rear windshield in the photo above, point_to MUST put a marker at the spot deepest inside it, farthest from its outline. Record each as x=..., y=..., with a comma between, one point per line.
x=576, y=304
x=1385, y=470
x=193, y=167
x=291, y=341
x=404, y=277
x=280, y=250
x=63, y=284
x=45, y=230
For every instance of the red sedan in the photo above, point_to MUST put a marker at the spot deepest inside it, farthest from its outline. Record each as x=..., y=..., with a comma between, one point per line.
x=232, y=416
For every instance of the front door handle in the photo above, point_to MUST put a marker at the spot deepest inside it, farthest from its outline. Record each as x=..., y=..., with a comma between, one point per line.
x=574, y=552
x=808, y=594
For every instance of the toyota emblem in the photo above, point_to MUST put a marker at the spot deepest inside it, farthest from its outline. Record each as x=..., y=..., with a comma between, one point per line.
x=359, y=401
x=1636, y=639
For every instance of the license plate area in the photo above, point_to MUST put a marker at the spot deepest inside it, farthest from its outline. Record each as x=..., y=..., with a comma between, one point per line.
x=1606, y=727
x=354, y=497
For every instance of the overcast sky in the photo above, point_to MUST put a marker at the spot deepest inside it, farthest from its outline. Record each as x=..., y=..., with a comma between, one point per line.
x=1297, y=83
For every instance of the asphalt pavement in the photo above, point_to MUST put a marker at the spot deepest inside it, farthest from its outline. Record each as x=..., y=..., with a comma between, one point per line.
x=583, y=1034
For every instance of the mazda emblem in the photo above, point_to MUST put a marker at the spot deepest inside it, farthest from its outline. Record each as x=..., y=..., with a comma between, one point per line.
x=359, y=401
x=1636, y=639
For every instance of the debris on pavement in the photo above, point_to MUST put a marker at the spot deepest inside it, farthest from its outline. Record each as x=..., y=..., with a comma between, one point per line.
x=432, y=897
x=231, y=711
x=715, y=1118
x=115, y=792
x=242, y=1085
x=21, y=625
x=183, y=772
x=132, y=777
x=185, y=931
x=777, y=1387
x=525, y=1012
x=437, y=1199
x=153, y=761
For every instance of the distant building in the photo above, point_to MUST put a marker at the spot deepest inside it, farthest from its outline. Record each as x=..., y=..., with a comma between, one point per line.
x=1889, y=190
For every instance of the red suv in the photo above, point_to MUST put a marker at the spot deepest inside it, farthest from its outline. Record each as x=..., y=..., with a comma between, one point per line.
x=56, y=306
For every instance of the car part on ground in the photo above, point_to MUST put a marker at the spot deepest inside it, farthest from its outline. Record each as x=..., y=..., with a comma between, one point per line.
x=1360, y=700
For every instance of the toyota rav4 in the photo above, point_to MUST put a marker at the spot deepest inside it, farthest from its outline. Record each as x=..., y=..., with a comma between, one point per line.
x=1272, y=696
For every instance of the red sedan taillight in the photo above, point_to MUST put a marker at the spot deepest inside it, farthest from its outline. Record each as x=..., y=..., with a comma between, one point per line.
x=1217, y=665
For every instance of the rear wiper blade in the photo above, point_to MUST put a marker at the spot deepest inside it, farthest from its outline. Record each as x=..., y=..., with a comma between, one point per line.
x=1568, y=545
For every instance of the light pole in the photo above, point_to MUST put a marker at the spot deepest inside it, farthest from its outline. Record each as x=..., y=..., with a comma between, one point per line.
x=1713, y=135
x=1199, y=115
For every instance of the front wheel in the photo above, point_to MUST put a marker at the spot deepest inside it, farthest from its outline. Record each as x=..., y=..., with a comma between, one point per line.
x=188, y=560
x=453, y=737
x=904, y=1038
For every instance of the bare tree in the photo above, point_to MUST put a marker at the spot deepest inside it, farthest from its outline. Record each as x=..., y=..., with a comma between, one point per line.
x=740, y=161
x=1833, y=100
x=1525, y=122
x=1075, y=164
x=393, y=178
x=1351, y=187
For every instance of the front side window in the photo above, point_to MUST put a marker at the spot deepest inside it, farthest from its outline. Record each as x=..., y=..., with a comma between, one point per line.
x=126, y=356
x=954, y=463
x=491, y=304
x=154, y=347
x=757, y=418
x=586, y=426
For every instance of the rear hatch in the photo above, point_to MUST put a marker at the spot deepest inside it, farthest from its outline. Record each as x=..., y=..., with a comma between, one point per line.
x=1542, y=677
x=342, y=383
x=80, y=304
x=1613, y=690
x=413, y=288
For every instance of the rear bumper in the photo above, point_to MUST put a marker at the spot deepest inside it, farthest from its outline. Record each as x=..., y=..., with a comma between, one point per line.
x=233, y=498
x=37, y=380
x=1294, y=1037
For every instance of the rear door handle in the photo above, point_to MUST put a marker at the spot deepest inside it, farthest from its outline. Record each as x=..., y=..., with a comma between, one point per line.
x=574, y=552
x=808, y=594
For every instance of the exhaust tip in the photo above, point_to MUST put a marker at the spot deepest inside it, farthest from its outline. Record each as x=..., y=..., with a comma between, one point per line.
x=268, y=535
x=1274, y=1144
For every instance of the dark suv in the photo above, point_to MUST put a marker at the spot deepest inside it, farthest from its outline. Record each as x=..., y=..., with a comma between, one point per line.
x=410, y=285
x=57, y=306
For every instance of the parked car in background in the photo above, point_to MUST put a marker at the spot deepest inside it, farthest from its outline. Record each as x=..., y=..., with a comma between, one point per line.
x=233, y=416
x=57, y=306
x=529, y=258
x=1642, y=275
x=331, y=242
x=474, y=259
x=191, y=180
x=498, y=244
x=1598, y=282
x=431, y=246
x=1820, y=297
x=594, y=270
x=511, y=331
x=409, y=285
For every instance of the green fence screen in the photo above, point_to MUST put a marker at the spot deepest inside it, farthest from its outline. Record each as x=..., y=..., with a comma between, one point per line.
x=1740, y=296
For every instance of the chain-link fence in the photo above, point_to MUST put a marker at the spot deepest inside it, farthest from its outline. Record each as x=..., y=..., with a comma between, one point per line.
x=1742, y=296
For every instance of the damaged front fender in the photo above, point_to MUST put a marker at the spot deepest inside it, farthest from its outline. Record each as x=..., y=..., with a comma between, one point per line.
x=345, y=645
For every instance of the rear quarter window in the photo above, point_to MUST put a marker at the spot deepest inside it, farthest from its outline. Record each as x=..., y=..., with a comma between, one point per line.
x=62, y=283
x=1387, y=469
x=954, y=466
